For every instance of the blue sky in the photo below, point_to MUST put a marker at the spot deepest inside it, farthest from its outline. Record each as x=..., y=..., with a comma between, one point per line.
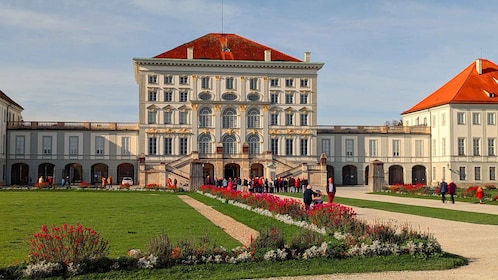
x=65, y=60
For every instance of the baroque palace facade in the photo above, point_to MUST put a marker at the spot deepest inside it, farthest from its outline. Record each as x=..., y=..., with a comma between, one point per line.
x=225, y=106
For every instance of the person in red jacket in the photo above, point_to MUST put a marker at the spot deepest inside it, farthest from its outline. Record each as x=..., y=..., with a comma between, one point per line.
x=480, y=194
x=452, y=190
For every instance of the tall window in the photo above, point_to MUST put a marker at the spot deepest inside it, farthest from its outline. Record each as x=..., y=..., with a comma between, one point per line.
x=229, y=144
x=273, y=98
x=99, y=145
x=47, y=145
x=492, y=173
x=229, y=118
x=460, y=118
x=183, y=146
x=491, y=146
x=274, y=118
x=289, y=98
x=205, y=117
x=274, y=82
x=183, y=96
x=304, y=82
x=326, y=146
x=491, y=118
x=183, y=80
x=434, y=147
x=229, y=83
x=372, y=147
x=152, y=95
x=476, y=146
x=443, y=146
x=476, y=118
x=396, y=148
x=205, y=144
x=253, y=142
x=289, y=147
x=289, y=82
x=205, y=82
x=289, y=118
x=168, y=95
x=167, y=117
x=477, y=173
x=304, y=98
x=152, y=117
x=168, y=146
x=443, y=119
x=304, y=147
x=183, y=117
x=253, y=83
x=461, y=172
x=304, y=119
x=152, y=79
x=274, y=146
x=253, y=118
x=419, y=148
x=20, y=144
x=461, y=146
x=73, y=145
x=125, y=145
x=152, y=145
x=349, y=147
x=168, y=79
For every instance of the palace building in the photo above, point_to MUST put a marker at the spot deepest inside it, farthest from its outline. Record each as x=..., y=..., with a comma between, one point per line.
x=226, y=106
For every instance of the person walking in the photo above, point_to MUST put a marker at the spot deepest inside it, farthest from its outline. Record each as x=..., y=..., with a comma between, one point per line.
x=480, y=194
x=330, y=187
x=443, y=189
x=452, y=190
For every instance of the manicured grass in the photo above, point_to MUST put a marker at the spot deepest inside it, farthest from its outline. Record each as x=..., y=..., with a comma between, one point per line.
x=489, y=194
x=126, y=219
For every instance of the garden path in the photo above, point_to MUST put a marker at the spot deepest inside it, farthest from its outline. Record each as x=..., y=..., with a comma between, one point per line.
x=237, y=230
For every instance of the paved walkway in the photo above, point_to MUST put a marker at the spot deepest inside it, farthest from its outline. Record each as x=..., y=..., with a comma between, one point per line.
x=478, y=243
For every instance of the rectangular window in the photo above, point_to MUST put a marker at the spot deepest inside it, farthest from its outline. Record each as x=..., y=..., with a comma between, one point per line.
x=396, y=148
x=434, y=147
x=460, y=118
x=273, y=98
x=304, y=119
x=183, y=117
x=476, y=146
x=304, y=98
x=419, y=148
x=99, y=145
x=168, y=146
x=183, y=146
x=477, y=173
x=183, y=80
x=73, y=145
x=229, y=83
x=443, y=146
x=372, y=147
x=274, y=82
x=492, y=173
x=304, y=82
x=167, y=117
x=289, y=119
x=443, y=119
x=476, y=118
x=349, y=147
x=434, y=173
x=289, y=147
x=47, y=145
x=20, y=145
x=289, y=82
x=491, y=146
x=461, y=146
x=491, y=118
x=152, y=145
x=433, y=121
x=326, y=146
x=274, y=146
x=183, y=96
x=125, y=145
x=168, y=95
x=151, y=117
x=168, y=79
x=289, y=98
x=274, y=119
x=304, y=147
x=253, y=83
x=152, y=95
x=152, y=79
x=461, y=173
x=205, y=82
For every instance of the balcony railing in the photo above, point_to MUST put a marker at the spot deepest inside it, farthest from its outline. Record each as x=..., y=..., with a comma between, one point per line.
x=71, y=125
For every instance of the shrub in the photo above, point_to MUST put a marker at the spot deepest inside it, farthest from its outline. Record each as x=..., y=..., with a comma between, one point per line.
x=160, y=246
x=271, y=238
x=43, y=185
x=469, y=192
x=67, y=244
x=304, y=239
x=84, y=184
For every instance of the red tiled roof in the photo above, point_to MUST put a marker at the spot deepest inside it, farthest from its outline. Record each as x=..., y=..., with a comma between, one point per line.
x=468, y=87
x=9, y=100
x=219, y=46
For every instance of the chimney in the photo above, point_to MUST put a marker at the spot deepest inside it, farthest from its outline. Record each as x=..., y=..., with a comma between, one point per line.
x=267, y=55
x=190, y=53
x=307, y=56
x=479, y=66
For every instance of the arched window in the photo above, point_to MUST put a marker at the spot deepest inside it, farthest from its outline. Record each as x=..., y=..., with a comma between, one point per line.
x=229, y=144
x=253, y=118
x=253, y=141
x=229, y=118
x=205, y=144
x=205, y=117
